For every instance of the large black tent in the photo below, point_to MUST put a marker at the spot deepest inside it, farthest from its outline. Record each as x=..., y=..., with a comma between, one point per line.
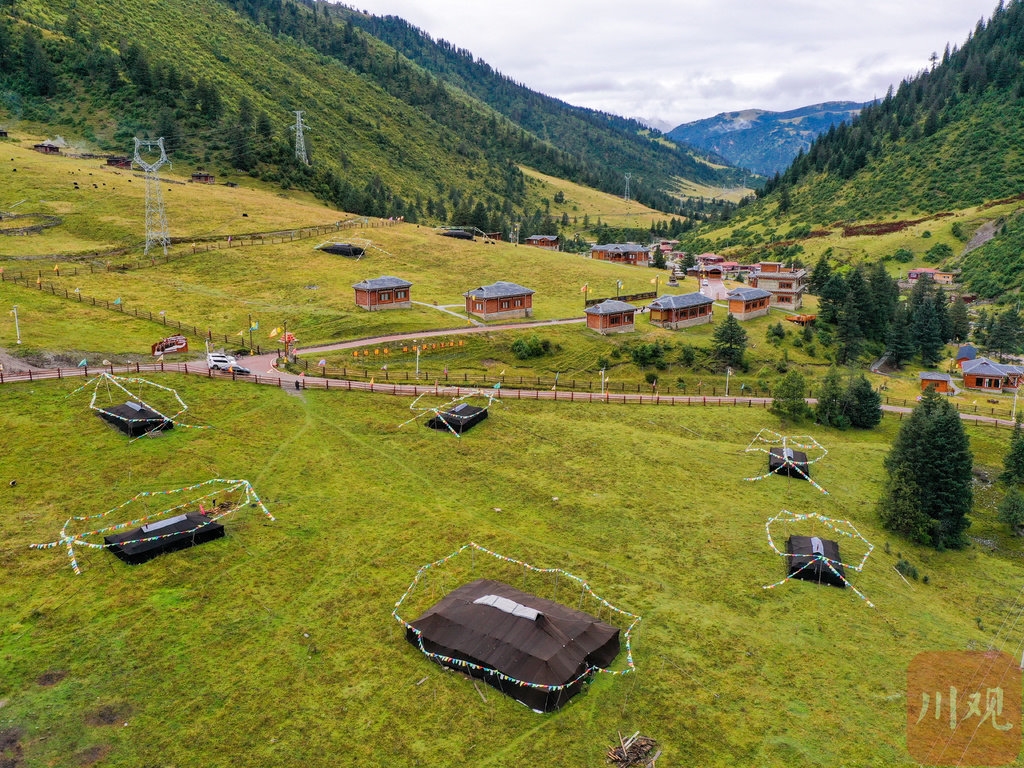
x=458, y=418
x=135, y=419
x=535, y=650
x=168, y=535
x=343, y=249
x=786, y=461
x=808, y=555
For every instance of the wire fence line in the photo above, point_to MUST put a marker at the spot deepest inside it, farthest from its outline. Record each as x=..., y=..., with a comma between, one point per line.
x=415, y=390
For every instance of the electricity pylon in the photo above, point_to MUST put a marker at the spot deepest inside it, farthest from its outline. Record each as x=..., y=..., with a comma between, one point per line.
x=156, y=218
x=300, y=140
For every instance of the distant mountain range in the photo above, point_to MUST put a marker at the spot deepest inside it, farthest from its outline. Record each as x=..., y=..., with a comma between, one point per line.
x=764, y=142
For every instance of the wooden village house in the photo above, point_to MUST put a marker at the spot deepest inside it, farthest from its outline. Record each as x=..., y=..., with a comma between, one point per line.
x=383, y=293
x=611, y=316
x=622, y=253
x=785, y=284
x=201, y=177
x=499, y=301
x=748, y=303
x=547, y=242
x=989, y=376
x=680, y=311
x=941, y=382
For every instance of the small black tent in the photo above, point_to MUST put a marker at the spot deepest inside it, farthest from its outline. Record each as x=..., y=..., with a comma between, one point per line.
x=544, y=647
x=168, y=535
x=343, y=249
x=458, y=234
x=786, y=461
x=811, y=551
x=135, y=419
x=459, y=418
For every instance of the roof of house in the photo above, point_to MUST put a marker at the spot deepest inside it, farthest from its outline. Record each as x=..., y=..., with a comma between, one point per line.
x=934, y=376
x=379, y=283
x=748, y=294
x=543, y=238
x=680, y=301
x=966, y=352
x=621, y=248
x=610, y=307
x=498, y=290
x=982, y=366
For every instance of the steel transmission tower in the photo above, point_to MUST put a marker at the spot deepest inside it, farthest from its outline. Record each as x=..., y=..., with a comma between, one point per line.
x=156, y=218
x=300, y=140
x=626, y=196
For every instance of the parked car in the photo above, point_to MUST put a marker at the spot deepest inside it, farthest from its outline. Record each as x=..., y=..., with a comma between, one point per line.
x=218, y=361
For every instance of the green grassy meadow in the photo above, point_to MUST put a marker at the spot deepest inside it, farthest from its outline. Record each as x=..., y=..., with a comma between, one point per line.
x=275, y=646
x=276, y=643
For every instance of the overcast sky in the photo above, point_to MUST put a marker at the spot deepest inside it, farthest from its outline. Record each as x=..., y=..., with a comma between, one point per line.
x=673, y=61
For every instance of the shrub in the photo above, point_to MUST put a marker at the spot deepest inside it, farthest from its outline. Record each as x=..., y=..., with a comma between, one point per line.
x=527, y=347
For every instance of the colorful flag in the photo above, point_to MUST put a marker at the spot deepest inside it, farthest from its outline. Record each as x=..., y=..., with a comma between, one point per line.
x=255, y=326
x=117, y=300
x=654, y=281
x=241, y=333
x=274, y=332
x=83, y=363
x=322, y=362
x=618, y=283
x=585, y=287
x=56, y=267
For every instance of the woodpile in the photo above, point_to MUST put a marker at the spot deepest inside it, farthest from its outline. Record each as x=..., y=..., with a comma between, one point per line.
x=637, y=750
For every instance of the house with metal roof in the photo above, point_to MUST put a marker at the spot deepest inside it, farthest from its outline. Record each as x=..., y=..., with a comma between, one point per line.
x=984, y=374
x=622, y=253
x=383, y=293
x=499, y=301
x=940, y=382
x=548, y=242
x=681, y=311
x=748, y=303
x=611, y=316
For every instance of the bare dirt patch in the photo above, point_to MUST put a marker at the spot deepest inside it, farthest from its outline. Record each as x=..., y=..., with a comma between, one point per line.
x=52, y=677
x=108, y=714
x=10, y=747
x=92, y=755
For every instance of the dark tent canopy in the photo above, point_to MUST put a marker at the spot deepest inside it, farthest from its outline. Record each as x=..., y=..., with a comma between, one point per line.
x=786, y=461
x=343, y=249
x=519, y=635
x=813, y=550
x=458, y=234
x=168, y=535
x=135, y=419
x=458, y=419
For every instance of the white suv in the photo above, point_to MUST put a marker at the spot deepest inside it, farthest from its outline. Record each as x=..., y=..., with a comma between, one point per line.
x=218, y=360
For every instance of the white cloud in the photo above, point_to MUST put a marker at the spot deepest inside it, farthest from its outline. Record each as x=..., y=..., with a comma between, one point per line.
x=673, y=61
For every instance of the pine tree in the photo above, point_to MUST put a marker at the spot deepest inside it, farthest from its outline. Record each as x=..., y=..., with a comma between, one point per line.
x=1007, y=333
x=928, y=492
x=901, y=340
x=959, y=321
x=820, y=275
x=928, y=333
x=884, y=297
x=1011, y=511
x=729, y=342
x=788, y=398
x=1013, y=462
x=829, y=411
x=848, y=329
x=862, y=404
x=833, y=296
